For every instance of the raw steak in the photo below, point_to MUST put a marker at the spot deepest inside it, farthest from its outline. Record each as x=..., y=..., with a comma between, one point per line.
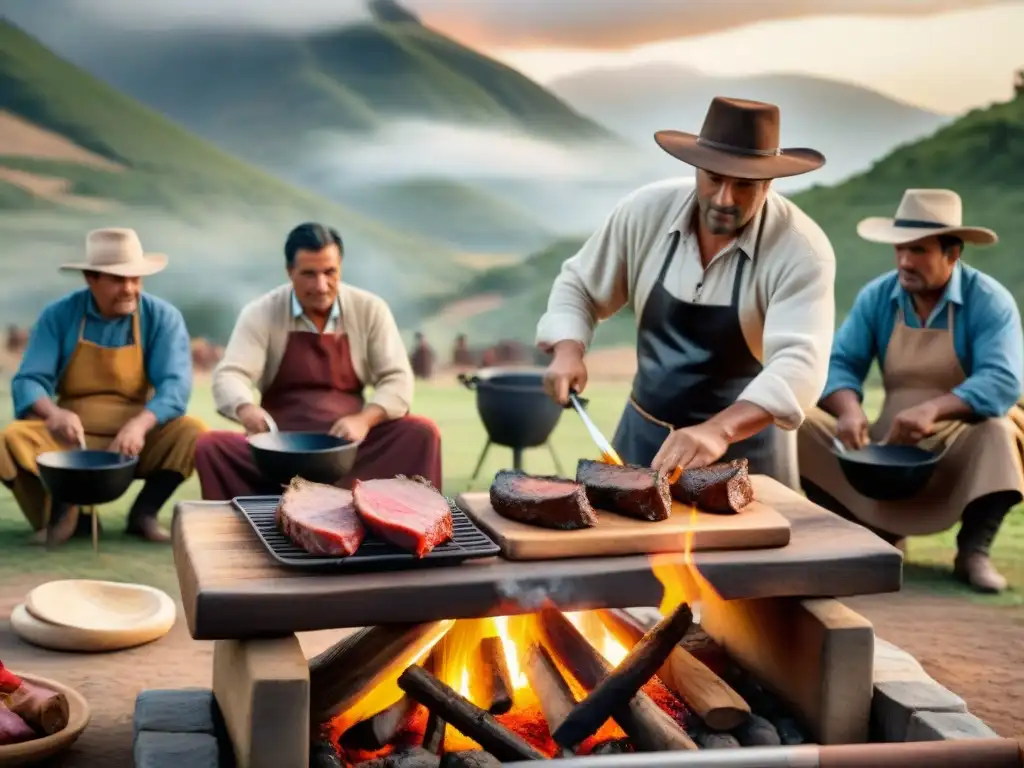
x=547, y=502
x=628, y=490
x=320, y=518
x=409, y=513
x=723, y=487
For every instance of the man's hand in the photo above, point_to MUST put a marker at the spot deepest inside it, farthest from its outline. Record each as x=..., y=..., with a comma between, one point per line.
x=912, y=425
x=253, y=418
x=131, y=438
x=852, y=429
x=690, y=448
x=66, y=427
x=353, y=428
x=565, y=372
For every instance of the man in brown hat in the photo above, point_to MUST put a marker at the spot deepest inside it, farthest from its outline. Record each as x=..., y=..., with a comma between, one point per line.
x=732, y=288
x=107, y=367
x=948, y=340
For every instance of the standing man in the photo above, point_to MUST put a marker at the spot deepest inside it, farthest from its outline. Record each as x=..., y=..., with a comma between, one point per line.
x=111, y=366
x=949, y=342
x=732, y=288
x=310, y=347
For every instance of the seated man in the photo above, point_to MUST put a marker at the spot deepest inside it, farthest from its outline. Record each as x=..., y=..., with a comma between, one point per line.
x=110, y=366
x=949, y=343
x=310, y=347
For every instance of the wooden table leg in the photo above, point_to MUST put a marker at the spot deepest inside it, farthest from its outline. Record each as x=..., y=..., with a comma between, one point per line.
x=262, y=689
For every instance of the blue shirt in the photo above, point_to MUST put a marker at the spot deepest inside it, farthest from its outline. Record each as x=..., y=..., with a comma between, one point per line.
x=166, y=349
x=987, y=337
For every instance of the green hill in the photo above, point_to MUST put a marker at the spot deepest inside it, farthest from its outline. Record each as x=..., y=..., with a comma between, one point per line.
x=221, y=220
x=458, y=214
x=980, y=155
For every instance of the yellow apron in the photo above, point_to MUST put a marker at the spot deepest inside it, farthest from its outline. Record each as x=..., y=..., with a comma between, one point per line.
x=106, y=387
x=981, y=457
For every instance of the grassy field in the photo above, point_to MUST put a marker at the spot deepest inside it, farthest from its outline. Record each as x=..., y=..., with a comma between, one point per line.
x=454, y=410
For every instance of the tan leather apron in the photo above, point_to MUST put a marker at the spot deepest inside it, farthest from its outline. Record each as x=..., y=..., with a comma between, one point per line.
x=980, y=458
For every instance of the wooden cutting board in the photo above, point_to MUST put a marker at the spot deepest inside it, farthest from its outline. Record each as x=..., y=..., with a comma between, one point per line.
x=758, y=526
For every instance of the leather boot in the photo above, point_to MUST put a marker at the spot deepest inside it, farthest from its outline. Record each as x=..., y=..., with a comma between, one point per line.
x=980, y=523
x=976, y=570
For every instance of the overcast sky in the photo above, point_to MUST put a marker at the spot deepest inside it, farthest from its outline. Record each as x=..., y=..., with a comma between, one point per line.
x=945, y=55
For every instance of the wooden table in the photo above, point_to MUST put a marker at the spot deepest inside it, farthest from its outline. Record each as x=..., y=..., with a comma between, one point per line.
x=231, y=588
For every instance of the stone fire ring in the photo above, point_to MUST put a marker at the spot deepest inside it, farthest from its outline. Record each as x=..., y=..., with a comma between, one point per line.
x=37, y=750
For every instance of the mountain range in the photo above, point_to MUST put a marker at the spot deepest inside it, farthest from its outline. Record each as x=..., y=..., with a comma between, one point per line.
x=851, y=125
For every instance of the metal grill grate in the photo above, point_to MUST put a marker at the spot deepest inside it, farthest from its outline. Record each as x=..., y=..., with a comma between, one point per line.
x=467, y=542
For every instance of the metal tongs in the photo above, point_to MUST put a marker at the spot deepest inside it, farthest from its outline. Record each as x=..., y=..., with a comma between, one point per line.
x=608, y=453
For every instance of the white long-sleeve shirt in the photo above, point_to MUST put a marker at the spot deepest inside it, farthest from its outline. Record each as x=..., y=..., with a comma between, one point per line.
x=786, y=303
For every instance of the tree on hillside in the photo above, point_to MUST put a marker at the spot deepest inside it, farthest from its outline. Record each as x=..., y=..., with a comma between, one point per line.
x=1018, y=83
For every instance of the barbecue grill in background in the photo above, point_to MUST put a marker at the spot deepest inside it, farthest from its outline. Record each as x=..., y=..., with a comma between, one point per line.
x=515, y=410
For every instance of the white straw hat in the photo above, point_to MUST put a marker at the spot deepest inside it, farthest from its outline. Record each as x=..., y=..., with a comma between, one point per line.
x=923, y=213
x=117, y=252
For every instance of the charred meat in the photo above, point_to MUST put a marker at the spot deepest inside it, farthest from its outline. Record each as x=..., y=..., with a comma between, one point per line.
x=547, y=502
x=637, y=492
x=723, y=487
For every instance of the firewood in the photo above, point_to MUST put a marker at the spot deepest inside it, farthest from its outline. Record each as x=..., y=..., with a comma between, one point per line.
x=622, y=683
x=347, y=671
x=407, y=758
x=491, y=676
x=650, y=728
x=705, y=693
x=380, y=730
x=470, y=758
x=433, y=734
x=552, y=691
x=473, y=722
x=613, y=747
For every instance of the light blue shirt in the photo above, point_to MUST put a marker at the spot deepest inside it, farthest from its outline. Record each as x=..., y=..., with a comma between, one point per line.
x=987, y=337
x=166, y=350
x=333, y=319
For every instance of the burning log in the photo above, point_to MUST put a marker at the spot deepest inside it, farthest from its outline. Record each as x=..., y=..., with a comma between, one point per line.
x=470, y=759
x=622, y=683
x=347, y=671
x=473, y=722
x=705, y=693
x=613, y=747
x=649, y=728
x=491, y=675
x=553, y=692
x=380, y=730
x=433, y=734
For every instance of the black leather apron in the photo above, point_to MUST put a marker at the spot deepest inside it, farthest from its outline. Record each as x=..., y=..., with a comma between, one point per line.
x=692, y=363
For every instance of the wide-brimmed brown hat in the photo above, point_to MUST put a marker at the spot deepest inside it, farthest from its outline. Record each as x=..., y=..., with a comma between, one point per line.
x=740, y=138
x=115, y=251
x=923, y=213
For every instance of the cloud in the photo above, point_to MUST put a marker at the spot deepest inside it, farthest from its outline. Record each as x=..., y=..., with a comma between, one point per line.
x=512, y=23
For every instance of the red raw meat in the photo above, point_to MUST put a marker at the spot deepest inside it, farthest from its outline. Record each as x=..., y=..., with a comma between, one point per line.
x=320, y=518
x=409, y=513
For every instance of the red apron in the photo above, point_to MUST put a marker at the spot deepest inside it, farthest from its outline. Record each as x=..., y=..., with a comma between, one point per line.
x=315, y=386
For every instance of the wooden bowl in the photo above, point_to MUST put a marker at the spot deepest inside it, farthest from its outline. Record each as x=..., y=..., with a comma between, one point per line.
x=37, y=750
x=87, y=615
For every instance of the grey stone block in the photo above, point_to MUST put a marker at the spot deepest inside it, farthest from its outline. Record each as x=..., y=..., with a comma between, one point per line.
x=895, y=702
x=947, y=726
x=175, y=750
x=190, y=710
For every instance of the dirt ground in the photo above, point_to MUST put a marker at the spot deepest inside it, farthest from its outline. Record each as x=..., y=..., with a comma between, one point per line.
x=974, y=650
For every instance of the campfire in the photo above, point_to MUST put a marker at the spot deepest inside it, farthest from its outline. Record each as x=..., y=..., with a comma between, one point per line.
x=535, y=686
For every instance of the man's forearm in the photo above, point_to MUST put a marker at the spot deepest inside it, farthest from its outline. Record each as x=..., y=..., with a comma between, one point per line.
x=147, y=418
x=741, y=420
x=949, y=406
x=44, y=407
x=841, y=402
x=374, y=415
